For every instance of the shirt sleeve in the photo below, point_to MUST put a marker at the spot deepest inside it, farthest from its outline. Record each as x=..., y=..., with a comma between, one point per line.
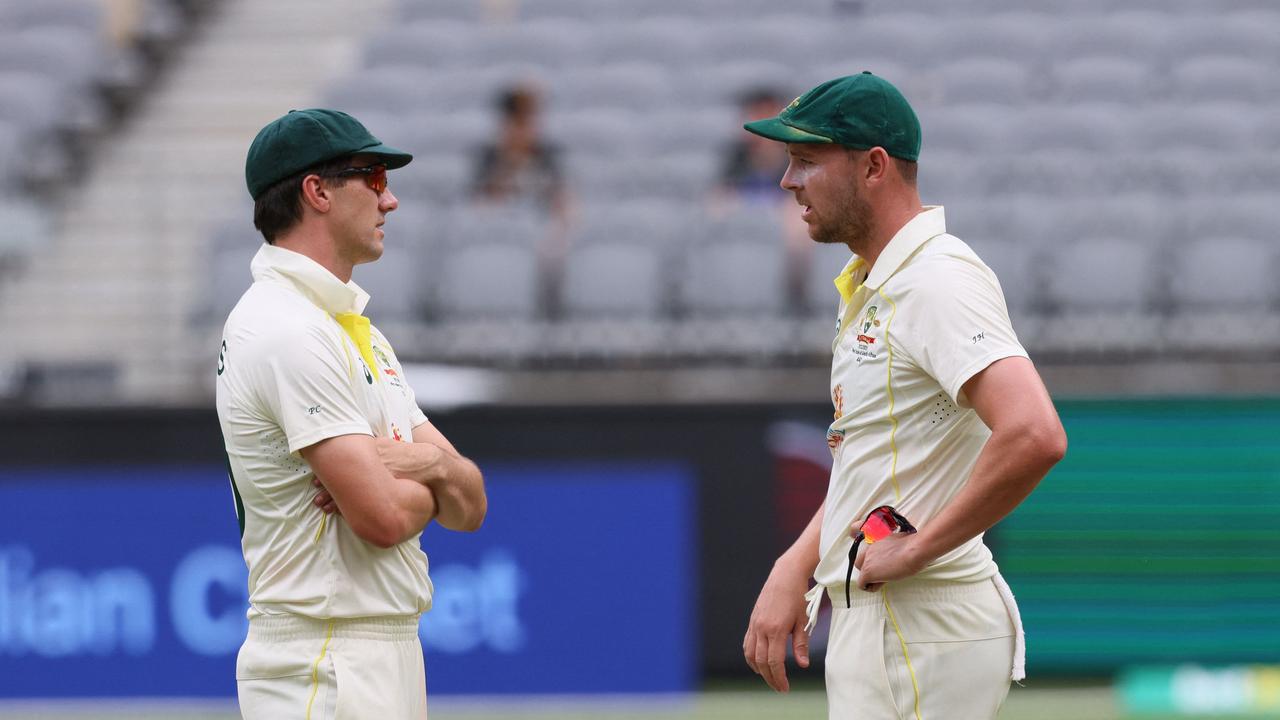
x=307, y=387
x=960, y=323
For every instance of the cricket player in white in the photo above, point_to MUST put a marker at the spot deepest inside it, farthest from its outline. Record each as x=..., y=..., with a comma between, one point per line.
x=938, y=413
x=334, y=468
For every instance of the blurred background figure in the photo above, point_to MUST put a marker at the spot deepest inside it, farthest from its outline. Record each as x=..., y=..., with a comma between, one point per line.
x=520, y=170
x=751, y=168
x=752, y=165
x=519, y=166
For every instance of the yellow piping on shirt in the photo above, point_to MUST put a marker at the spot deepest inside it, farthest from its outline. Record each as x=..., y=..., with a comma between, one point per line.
x=351, y=370
x=915, y=686
x=315, y=668
x=888, y=384
x=324, y=521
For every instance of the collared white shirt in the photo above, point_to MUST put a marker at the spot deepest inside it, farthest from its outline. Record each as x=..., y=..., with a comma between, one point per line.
x=928, y=317
x=290, y=376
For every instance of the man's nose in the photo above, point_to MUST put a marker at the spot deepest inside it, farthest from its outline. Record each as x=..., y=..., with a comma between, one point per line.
x=789, y=180
x=388, y=201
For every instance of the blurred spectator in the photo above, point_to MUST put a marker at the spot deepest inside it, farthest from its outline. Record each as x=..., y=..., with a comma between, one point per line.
x=752, y=165
x=522, y=171
x=519, y=167
x=750, y=174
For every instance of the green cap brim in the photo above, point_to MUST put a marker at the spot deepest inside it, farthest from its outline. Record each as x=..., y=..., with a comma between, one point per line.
x=392, y=157
x=775, y=129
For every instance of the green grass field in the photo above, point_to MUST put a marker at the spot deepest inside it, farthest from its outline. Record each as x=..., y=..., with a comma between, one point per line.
x=739, y=702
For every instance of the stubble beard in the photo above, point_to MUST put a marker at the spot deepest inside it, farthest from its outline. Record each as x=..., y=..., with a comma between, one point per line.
x=851, y=225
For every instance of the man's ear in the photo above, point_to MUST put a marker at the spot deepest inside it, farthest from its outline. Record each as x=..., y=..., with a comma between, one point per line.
x=315, y=194
x=877, y=165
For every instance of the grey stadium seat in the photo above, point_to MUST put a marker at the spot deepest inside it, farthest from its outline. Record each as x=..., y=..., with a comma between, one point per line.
x=472, y=224
x=446, y=133
x=665, y=40
x=1224, y=78
x=24, y=228
x=1224, y=272
x=636, y=221
x=229, y=277
x=734, y=278
x=694, y=129
x=435, y=10
x=632, y=86
x=548, y=44
x=12, y=156
x=86, y=15
x=684, y=176
x=29, y=102
x=396, y=283
x=1244, y=35
x=592, y=132
x=431, y=45
x=826, y=260
x=1165, y=128
x=1245, y=216
x=66, y=56
x=1020, y=37
x=1106, y=274
x=487, y=281
x=750, y=37
x=980, y=80
x=721, y=83
x=594, y=11
x=969, y=129
x=381, y=91
x=753, y=225
x=614, y=279
x=1117, y=33
x=1084, y=129
x=432, y=178
x=909, y=40
x=1097, y=79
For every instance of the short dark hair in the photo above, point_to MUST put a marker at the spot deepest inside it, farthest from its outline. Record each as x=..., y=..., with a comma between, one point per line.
x=517, y=101
x=279, y=208
x=908, y=169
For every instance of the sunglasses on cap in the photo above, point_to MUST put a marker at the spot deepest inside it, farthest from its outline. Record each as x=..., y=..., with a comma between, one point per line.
x=880, y=524
x=375, y=176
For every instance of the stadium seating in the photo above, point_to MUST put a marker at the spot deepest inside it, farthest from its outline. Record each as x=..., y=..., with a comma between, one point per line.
x=1091, y=152
x=57, y=66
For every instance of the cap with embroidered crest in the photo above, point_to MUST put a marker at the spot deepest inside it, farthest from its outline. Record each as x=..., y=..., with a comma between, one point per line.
x=857, y=111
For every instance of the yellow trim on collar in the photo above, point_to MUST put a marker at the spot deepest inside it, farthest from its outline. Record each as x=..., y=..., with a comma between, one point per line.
x=357, y=327
x=844, y=281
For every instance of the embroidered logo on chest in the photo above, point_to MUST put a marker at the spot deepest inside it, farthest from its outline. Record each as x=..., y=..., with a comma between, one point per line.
x=387, y=369
x=866, y=325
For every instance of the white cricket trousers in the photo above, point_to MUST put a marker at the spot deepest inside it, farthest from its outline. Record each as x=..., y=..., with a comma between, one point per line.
x=920, y=650
x=297, y=668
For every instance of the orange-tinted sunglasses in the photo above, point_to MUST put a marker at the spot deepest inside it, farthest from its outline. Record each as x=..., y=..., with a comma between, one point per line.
x=375, y=176
x=880, y=524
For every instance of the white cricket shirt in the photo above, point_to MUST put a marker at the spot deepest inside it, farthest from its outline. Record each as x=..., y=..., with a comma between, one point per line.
x=929, y=316
x=289, y=376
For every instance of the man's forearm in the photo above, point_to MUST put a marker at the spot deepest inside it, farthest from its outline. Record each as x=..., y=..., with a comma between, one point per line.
x=456, y=482
x=802, y=556
x=417, y=504
x=1009, y=467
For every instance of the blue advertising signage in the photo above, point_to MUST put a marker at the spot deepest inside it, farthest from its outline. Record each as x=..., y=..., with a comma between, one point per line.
x=119, y=582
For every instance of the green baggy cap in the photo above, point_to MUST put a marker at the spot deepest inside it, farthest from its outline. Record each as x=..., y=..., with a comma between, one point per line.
x=858, y=111
x=304, y=138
